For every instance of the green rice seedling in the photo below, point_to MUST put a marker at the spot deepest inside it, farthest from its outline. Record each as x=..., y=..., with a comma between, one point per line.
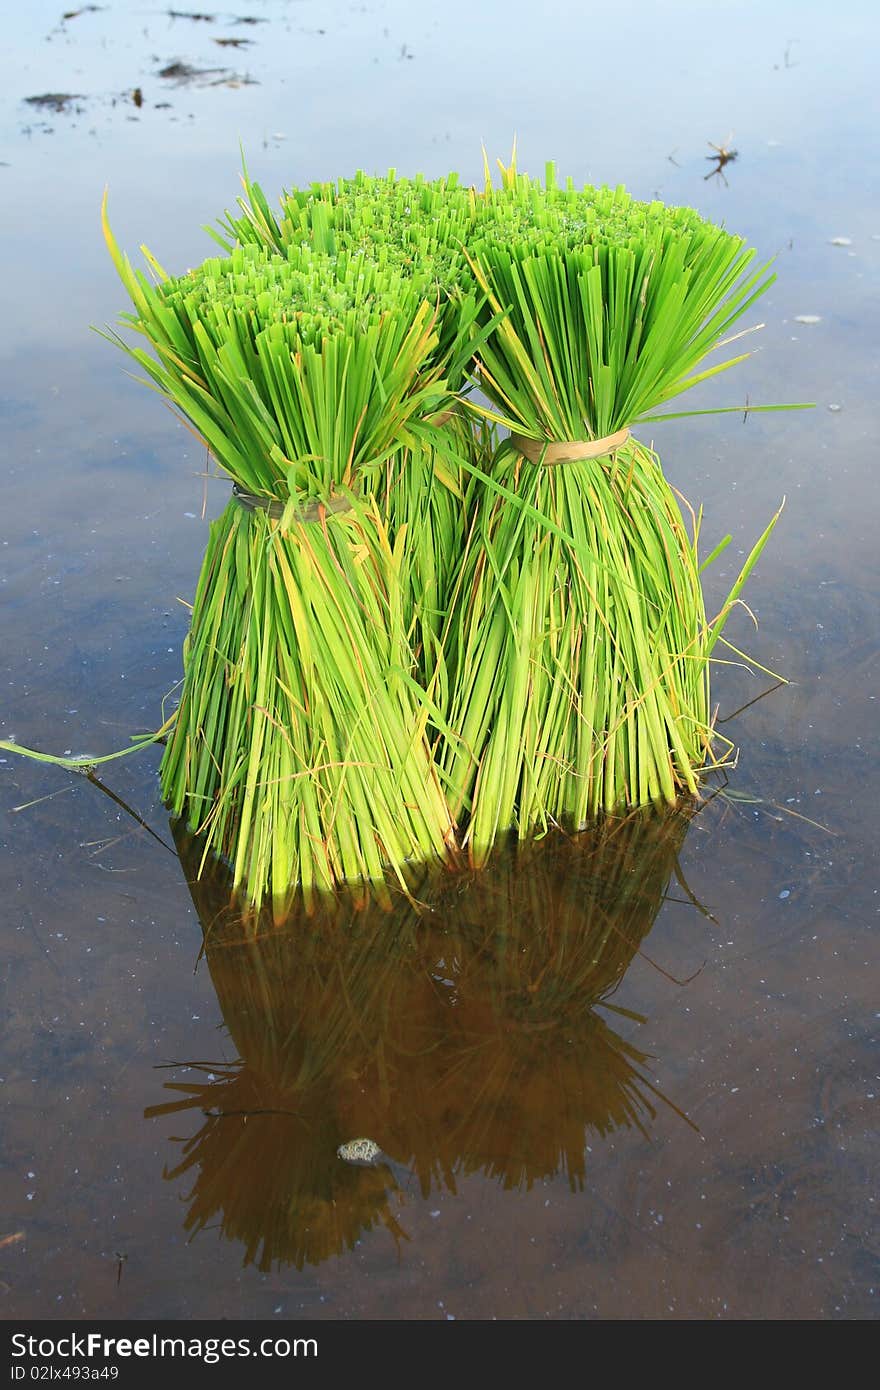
x=300, y=747
x=426, y=222
x=424, y=225
x=578, y=635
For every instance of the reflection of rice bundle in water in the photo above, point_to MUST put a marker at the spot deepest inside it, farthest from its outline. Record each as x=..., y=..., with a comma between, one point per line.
x=460, y=1038
x=552, y=925
x=268, y=1170
x=502, y=1039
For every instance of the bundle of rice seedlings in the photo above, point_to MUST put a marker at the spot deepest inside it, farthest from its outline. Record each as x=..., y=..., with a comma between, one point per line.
x=579, y=639
x=424, y=225
x=451, y=588
x=300, y=744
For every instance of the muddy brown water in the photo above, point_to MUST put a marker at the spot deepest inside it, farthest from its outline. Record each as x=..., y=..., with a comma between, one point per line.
x=634, y=1079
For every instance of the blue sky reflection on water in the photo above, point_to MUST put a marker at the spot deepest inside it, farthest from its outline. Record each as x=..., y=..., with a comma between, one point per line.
x=759, y=1019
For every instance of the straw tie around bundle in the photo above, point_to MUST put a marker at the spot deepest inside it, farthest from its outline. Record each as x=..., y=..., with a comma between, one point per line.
x=549, y=452
x=310, y=512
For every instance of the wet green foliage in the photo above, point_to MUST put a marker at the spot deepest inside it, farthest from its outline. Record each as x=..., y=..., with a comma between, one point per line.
x=425, y=630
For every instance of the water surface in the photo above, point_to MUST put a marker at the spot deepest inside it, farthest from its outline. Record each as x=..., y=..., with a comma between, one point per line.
x=636, y=1081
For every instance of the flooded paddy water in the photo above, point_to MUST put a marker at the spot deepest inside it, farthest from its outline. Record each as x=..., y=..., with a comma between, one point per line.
x=634, y=1078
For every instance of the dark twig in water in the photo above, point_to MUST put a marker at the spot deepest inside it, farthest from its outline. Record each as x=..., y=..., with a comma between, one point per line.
x=44, y=950
x=96, y=782
x=691, y=895
x=769, y=691
x=786, y=57
x=261, y=1110
x=668, y=976
x=723, y=155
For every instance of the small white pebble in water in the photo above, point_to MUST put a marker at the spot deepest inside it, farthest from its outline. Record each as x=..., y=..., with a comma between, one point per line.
x=786, y=893
x=359, y=1151
x=841, y=241
x=807, y=318
x=835, y=406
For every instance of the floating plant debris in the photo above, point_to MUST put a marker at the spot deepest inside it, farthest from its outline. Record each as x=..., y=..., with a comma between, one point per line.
x=184, y=72
x=55, y=101
x=722, y=156
x=234, y=80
